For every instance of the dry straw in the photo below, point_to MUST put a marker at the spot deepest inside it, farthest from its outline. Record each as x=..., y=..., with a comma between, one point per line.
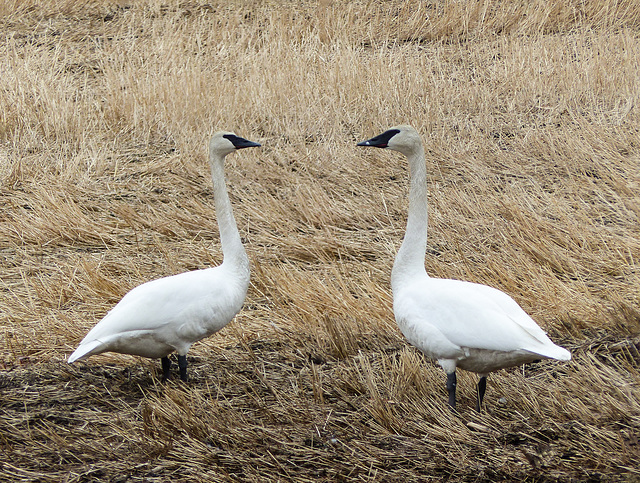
x=529, y=115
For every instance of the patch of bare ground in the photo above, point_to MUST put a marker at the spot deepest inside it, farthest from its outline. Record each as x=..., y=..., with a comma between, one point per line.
x=289, y=409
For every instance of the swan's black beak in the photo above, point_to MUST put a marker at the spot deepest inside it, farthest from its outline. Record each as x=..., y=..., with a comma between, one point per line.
x=240, y=143
x=381, y=140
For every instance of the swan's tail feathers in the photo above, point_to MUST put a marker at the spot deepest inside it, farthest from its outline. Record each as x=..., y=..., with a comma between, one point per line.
x=554, y=352
x=563, y=354
x=85, y=350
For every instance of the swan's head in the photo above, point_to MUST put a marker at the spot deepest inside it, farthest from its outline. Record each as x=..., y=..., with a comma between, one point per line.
x=404, y=139
x=223, y=143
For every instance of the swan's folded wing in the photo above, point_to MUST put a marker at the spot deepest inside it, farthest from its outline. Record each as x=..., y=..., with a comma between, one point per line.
x=477, y=316
x=176, y=300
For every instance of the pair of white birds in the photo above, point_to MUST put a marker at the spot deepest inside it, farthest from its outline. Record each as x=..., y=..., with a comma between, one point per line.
x=460, y=324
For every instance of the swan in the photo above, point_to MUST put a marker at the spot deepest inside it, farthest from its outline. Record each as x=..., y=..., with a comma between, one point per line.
x=171, y=313
x=460, y=324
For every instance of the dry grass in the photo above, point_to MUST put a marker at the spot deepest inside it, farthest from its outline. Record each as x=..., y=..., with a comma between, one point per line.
x=530, y=115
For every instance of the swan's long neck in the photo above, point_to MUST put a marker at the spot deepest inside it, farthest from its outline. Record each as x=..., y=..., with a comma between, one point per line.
x=233, y=251
x=409, y=261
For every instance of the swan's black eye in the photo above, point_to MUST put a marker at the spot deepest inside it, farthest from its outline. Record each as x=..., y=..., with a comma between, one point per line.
x=381, y=140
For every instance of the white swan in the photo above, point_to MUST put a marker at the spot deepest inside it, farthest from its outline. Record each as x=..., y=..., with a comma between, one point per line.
x=171, y=313
x=461, y=324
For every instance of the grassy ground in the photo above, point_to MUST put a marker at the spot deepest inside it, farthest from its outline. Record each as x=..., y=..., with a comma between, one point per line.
x=529, y=113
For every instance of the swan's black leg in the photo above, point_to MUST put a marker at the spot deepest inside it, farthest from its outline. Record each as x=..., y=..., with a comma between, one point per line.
x=166, y=368
x=182, y=364
x=482, y=386
x=451, y=389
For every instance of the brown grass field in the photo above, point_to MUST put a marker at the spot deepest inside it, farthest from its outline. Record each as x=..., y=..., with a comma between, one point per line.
x=530, y=115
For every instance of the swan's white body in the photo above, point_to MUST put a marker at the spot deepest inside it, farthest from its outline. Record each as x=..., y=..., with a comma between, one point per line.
x=170, y=314
x=468, y=325
x=460, y=324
